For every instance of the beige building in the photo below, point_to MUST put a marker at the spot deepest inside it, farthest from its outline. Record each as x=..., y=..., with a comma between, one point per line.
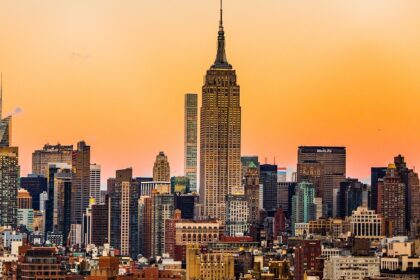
x=348, y=267
x=366, y=224
x=220, y=135
x=161, y=170
x=209, y=266
x=200, y=232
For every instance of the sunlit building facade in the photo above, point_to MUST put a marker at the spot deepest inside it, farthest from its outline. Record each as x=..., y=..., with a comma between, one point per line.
x=220, y=134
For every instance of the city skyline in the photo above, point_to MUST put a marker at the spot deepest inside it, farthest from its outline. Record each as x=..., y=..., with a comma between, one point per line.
x=380, y=68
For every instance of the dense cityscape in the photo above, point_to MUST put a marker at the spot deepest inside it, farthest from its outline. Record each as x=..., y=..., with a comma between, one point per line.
x=231, y=216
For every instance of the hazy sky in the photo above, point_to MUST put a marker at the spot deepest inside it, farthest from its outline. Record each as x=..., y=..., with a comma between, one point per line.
x=114, y=73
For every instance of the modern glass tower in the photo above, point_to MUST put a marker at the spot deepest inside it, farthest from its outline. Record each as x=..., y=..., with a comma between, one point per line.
x=220, y=134
x=190, y=139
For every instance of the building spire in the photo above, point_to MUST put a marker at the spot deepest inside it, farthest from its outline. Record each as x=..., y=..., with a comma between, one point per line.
x=221, y=60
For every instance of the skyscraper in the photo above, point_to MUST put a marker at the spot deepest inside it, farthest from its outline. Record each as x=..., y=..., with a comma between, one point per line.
x=190, y=139
x=252, y=193
x=268, y=178
x=376, y=174
x=303, y=206
x=80, y=182
x=124, y=213
x=59, y=187
x=220, y=134
x=162, y=210
x=50, y=154
x=161, y=170
x=391, y=201
x=5, y=131
x=95, y=182
x=333, y=162
x=9, y=182
x=62, y=201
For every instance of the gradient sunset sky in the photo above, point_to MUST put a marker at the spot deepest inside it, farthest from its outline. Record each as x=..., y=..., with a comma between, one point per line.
x=114, y=73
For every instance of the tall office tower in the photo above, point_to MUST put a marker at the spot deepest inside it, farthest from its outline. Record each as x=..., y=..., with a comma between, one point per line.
x=24, y=199
x=333, y=161
x=9, y=182
x=303, y=205
x=95, y=182
x=53, y=207
x=100, y=224
x=220, y=134
x=162, y=210
x=190, y=139
x=145, y=226
x=50, y=153
x=351, y=195
x=285, y=193
x=376, y=173
x=62, y=201
x=161, y=170
x=237, y=215
x=268, y=178
x=412, y=193
x=124, y=213
x=391, y=201
x=80, y=182
x=252, y=193
x=35, y=185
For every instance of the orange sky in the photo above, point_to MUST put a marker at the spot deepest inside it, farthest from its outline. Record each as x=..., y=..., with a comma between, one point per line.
x=325, y=72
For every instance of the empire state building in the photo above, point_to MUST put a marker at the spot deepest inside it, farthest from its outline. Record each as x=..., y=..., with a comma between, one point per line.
x=220, y=134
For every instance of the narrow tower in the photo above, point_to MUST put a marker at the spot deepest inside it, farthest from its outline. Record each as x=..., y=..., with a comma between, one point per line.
x=220, y=133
